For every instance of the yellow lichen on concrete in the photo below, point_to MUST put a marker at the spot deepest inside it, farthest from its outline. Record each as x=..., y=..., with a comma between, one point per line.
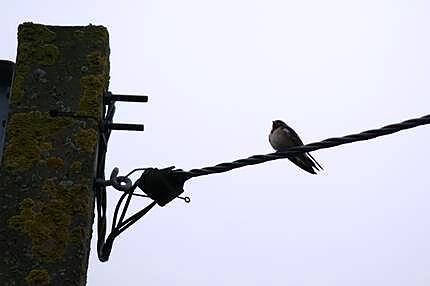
x=86, y=139
x=44, y=54
x=99, y=35
x=18, y=82
x=29, y=134
x=55, y=163
x=76, y=167
x=24, y=219
x=94, y=85
x=93, y=88
x=49, y=161
x=48, y=222
x=30, y=32
x=97, y=62
x=35, y=47
x=38, y=277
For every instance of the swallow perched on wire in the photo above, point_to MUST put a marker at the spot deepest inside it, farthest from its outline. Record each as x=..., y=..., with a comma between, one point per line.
x=283, y=137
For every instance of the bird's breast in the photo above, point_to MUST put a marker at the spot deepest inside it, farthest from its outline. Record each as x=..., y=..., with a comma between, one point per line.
x=280, y=139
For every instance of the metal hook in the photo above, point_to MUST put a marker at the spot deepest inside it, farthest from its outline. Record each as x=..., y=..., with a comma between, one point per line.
x=186, y=199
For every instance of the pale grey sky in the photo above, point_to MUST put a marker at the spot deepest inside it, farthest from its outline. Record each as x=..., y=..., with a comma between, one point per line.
x=217, y=73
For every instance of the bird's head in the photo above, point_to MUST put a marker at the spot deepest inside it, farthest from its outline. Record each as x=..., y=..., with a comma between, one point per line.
x=278, y=123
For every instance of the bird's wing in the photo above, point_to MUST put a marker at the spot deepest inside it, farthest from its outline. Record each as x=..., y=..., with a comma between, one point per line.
x=298, y=142
x=294, y=136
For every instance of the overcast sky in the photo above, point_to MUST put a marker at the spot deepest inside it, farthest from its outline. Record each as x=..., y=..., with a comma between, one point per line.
x=217, y=73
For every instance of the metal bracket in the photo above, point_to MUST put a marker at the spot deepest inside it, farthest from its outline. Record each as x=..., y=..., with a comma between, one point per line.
x=160, y=185
x=104, y=244
x=7, y=70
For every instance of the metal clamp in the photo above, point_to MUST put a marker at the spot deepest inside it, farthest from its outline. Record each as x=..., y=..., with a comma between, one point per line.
x=7, y=69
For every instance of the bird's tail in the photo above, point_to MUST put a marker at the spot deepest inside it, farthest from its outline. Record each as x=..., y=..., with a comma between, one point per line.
x=304, y=162
x=315, y=161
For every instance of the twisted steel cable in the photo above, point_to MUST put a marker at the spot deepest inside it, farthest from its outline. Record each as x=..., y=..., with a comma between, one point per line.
x=327, y=143
x=163, y=185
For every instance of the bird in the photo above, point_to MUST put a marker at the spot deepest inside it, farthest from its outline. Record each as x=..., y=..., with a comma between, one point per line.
x=282, y=137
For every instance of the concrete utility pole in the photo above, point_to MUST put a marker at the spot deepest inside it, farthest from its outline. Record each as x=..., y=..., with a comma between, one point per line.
x=48, y=164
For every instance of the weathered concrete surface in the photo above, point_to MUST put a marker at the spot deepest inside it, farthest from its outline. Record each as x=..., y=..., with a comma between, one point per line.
x=48, y=166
